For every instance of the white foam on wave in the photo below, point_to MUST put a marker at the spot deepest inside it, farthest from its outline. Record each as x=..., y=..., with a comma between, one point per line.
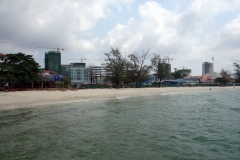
x=172, y=93
x=122, y=97
x=146, y=94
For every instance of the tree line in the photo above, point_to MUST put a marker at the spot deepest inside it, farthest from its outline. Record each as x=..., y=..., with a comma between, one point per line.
x=227, y=76
x=133, y=69
x=22, y=69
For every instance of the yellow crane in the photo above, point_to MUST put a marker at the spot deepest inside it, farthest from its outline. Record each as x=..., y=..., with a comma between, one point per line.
x=57, y=48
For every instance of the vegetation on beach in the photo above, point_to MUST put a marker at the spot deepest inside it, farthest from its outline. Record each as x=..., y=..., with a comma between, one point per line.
x=225, y=77
x=160, y=67
x=19, y=69
x=139, y=72
x=22, y=70
x=134, y=69
x=115, y=66
x=237, y=71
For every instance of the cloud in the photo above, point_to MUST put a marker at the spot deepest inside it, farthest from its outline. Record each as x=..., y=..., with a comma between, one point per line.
x=50, y=22
x=185, y=36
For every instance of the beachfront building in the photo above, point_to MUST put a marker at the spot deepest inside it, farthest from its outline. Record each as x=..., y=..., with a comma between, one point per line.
x=207, y=67
x=65, y=68
x=98, y=74
x=2, y=57
x=53, y=61
x=76, y=72
x=79, y=73
x=209, y=77
x=51, y=75
x=190, y=80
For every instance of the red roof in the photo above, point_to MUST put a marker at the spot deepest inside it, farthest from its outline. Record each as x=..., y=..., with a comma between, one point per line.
x=2, y=55
x=49, y=71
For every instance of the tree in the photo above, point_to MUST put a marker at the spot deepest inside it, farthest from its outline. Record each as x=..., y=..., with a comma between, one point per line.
x=225, y=77
x=177, y=75
x=115, y=66
x=140, y=71
x=21, y=68
x=4, y=75
x=66, y=82
x=237, y=71
x=160, y=67
x=90, y=70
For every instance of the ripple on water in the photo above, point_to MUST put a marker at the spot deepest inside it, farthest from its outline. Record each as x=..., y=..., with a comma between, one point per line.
x=197, y=125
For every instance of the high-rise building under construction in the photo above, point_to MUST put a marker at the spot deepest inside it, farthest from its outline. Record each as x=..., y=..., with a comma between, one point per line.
x=53, y=61
x=207, y=67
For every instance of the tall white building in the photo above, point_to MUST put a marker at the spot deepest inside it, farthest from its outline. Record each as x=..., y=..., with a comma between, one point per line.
x=79, y=73
x=207, y=67
x=76, y=72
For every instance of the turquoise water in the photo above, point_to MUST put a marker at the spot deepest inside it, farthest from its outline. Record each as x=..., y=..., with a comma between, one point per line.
x=195, y=125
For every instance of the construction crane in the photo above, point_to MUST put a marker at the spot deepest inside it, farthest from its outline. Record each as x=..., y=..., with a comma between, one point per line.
x=57, y=48
x=81, y=59
x=168, y=59
x=183, y=67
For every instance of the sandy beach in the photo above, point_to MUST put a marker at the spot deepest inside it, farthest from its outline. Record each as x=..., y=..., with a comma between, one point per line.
x=20, y=99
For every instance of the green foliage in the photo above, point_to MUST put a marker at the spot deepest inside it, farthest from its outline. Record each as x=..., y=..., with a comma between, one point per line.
x=160, y=67
x=20, y=68
x=60, y=84
x=177, y=75
x=4, y=75
x=115, y=66
x=225, y=77
x=237, y=71
x=138, y=72
x=66, y=82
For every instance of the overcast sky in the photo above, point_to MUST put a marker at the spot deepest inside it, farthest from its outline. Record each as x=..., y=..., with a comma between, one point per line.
x=189, y=31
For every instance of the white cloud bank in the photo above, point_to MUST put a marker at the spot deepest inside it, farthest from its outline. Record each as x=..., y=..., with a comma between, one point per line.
x=187, y=36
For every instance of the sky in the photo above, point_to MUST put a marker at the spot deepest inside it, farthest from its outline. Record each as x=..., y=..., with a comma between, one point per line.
x=190, y=32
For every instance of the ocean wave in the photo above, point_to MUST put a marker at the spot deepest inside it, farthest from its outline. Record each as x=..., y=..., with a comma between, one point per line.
x=122, y=97
x=164, y=94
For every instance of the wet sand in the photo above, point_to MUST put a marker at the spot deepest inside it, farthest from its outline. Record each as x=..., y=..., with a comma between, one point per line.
x=20, y=99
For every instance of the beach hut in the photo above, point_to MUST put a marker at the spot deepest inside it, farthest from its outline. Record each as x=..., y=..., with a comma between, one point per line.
x=45, y=82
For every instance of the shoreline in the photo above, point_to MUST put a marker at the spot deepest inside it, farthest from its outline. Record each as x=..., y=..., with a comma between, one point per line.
x=22, y=99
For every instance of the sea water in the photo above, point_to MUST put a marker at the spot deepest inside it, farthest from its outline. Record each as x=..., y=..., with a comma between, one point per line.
x=191, y=125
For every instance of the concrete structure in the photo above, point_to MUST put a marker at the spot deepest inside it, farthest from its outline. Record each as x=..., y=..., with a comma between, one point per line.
x=186, y=72
x=207, y=67
x=53, y=61
x=76, y=72
x=209, y=77
x=99, y=74
x=66, y=68
x=79, y=75
x=169, y=68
